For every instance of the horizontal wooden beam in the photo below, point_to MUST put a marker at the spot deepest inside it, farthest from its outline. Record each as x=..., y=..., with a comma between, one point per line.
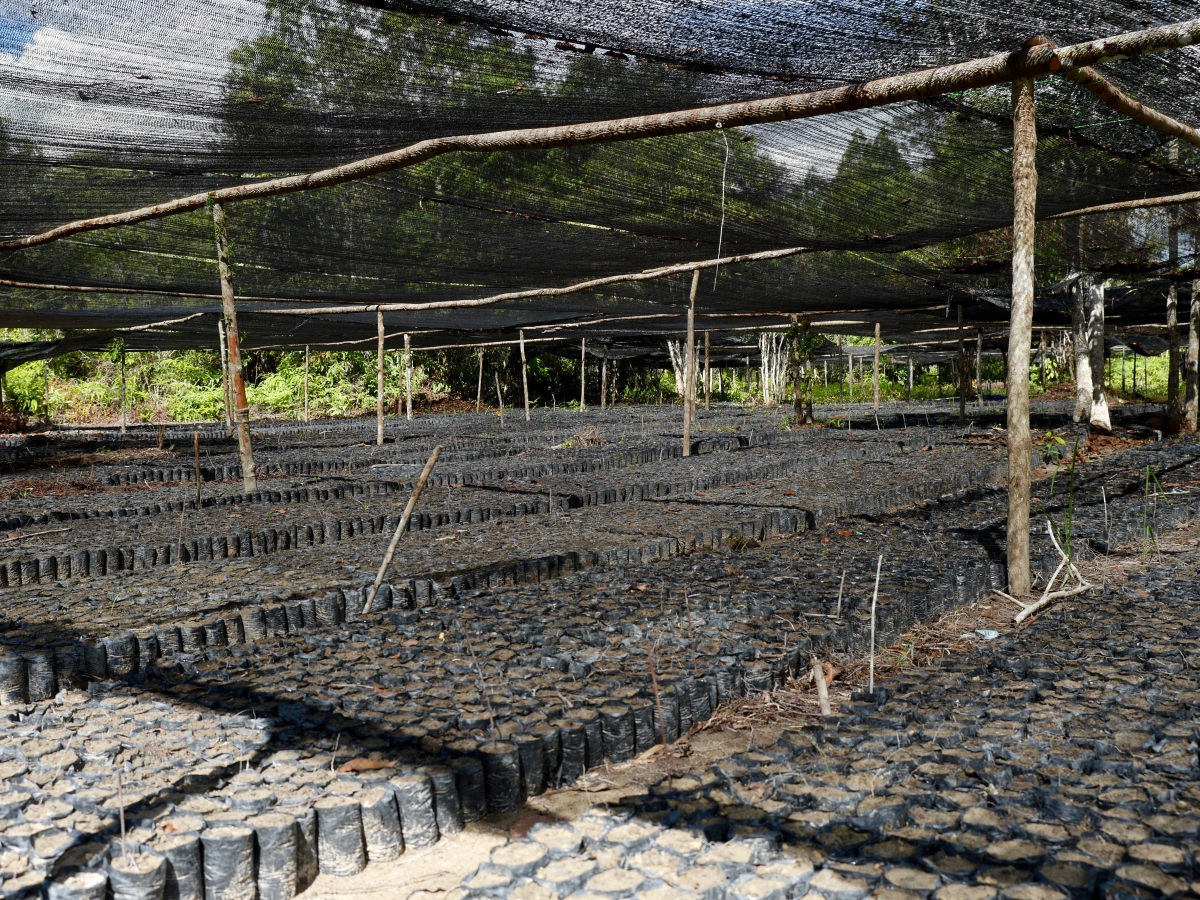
x=999, y=69
x=1126, y=205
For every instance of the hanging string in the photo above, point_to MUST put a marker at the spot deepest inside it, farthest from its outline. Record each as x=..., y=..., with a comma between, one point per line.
x=721, y=233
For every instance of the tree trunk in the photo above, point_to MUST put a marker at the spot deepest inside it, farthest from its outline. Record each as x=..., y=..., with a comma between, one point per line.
x=604, y=380
x=1099, y=418
x=524, y=373
x=689, y=370
x=122, y=393
x=875, y=368
x=1174, y=407
x=707, y=375
x=1191, y=406
x=241, y=409
x=1020, y=335
x=1080, y=292
x=221, y=348
x=379, y=351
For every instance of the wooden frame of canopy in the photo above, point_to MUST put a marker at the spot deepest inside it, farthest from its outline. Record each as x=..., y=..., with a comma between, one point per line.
x=1038, y=58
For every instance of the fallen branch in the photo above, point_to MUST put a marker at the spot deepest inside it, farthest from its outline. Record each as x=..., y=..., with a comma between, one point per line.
x=1049, y=597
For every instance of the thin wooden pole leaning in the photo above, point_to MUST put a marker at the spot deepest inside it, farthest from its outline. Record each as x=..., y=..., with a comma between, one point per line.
x=603, y=377
x=1030, y=62
x=582, y=374
x=479, y=386
x=241, y=409
x=1020, y=334
x=408, y=370
x=123, y=404
x=499, y=399
x=689, y=367
x=875, y=367
x=524, y=373
x=306, y=361
x=401, y=527
x=196, y=448
x=379, y=351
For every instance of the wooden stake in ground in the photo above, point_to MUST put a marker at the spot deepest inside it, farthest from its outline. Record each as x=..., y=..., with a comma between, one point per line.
x=910, y=376
x=379, y=351
x=689, y=367
x=874, y=602
x=603, y=377
x=582, y=374
x=499, y=398
x=221, y=348
x=687, y=603
x=524, y=373
x=1174, y=407
x=875, y=367
x=196, y=447
x=707, y=374
x=962, y=370
x=1020, y=334
x=122, y=393
x=818, y=674
x=979, y=366
x=479, y=387
x=306, y=356
x=408, y=369
x=401, y=527
x=241, y=409
x=662, y=726
x=1191, y=403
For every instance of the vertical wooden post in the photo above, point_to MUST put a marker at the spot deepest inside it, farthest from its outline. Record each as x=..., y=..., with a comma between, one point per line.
x=1191, y=401
x=979, y=366
x=850, y=375
x=122, y=394
x=1020, y=334
x=604, y=378
x=241, y=408
x=707, y=375
x=524, y=372
x=408, y=370
x=582, y=374
x=306, y=361
x=910, y=376
x=479, y=387
x=3, y=387
x=196, y=447
x=689, y=368
x=222, y=350
x=1095, y=332
x=875, y=367
x=379, y=351
x=1174, y=407
x=962, y=370
x=499, y=398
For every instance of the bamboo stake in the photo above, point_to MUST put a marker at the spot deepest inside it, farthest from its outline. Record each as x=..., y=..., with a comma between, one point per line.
x=1027, y=63
x=689, y=367
x=979, y=366
x=524, y=373
x=707, y=375
x=874, y=601
x=1020, y=334
x=499, y=398
x=818, y=674
x=379, y=351
x=479, y=387
x=408, y=368
x=196, y=447
x=841, y=587
x=241, y=412
x=962, y=370
x=1191, y=406
x=875, y=367
x=401, y=527
x=306, y=355
x=582, y=374
x=122, y=395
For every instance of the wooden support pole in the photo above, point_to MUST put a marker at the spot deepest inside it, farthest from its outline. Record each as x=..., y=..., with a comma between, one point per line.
x=499, y=399
x=875, y=367
x=306, y=366
x=962, y=370
x=408, y=370
x=604, y=378
x=479, y=387
x=123, y=394
x=910, y=377
x=689, y=368
x=1099, y=418
x=225, y=386
x=707, y=375
x=1080, y=292
x=979, y=366
x=524, y=373
x=1191, y=402
x=582, y=374
x=196, y=448
x=379, y=351
x=241, y=409
x=1020, y=334
x=1174, y=406
x=401, y=527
